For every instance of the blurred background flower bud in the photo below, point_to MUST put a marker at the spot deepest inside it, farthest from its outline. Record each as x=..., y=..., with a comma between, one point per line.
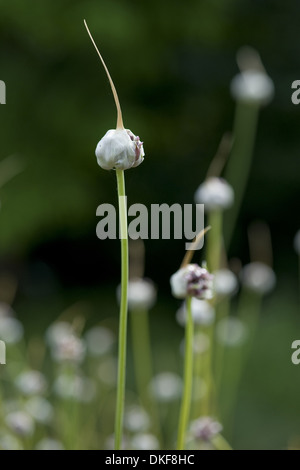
x=225, y=283
x=202, y=312
x=99, y=341
x=297, y=242
x=144, y=442
x=39, y=409
x=136, y=419
x=141, y=294
x=215, y=193
x=231, y=331
x=49, y=444
x=20, y=423
x=258, y=277
x=166, y=387
x=253, y=87
x=31, y=382
x=119, y=149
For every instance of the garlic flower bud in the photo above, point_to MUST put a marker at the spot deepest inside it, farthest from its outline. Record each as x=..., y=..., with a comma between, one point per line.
x=258, y=277
x=119, y=149
x=215, y=193
x=252, y=87
x=192, y=280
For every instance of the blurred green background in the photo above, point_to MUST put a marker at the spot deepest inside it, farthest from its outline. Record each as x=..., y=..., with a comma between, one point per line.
x=172, y=63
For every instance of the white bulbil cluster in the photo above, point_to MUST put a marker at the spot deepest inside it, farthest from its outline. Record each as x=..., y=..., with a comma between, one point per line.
x=31, y=382
x=191, y=280
x=64, y=344
x=119, y=149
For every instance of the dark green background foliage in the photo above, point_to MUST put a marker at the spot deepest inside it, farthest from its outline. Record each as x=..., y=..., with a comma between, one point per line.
x=172, y=63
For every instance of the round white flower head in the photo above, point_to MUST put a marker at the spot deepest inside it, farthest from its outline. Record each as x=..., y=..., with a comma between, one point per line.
x=202, y=312
x=205, y=428
x=191, y=280
x=225, y=283
x=136, y=419
x=258, y=277
x=253, y=87
x=49, y=444
x=166, y=387
x=215, y=193
x=297, y=242
x=144, y=442
x=141, y=294
x=99, y=341
x=119, y=149
x=231, y=331
x=31, y=382
x=20, y=423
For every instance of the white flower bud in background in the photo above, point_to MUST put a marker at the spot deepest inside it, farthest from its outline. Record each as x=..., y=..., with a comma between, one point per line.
x=225, y=283
x=297, y=242
x=136, y=419
x=65, y=345
x=231, y=332
x=144, y=442
x=39, y=409
x=215, y=193
x=253, y=87
x=192, y=281
x=258, y=277
x=119, y=149
x=8, y=442
x=205, y=428
x=166, y=387
x=31, y=382
x=49, y=444
x=202, y=312
x=20, y=423
x=11, y=330
x=99, y=341
x=141, y=294
x=76, y=388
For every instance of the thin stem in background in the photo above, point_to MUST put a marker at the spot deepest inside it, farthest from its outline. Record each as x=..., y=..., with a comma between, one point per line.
x=239, y=163
x=141, y=347
x=187, y=377
x=214, y=240
x=123, y=311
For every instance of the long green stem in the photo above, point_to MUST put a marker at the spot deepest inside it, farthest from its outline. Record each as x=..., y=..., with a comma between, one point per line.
x=143, y=363
x=239, y=164
x=188, y=377
x=214, y=240
x=123, y=311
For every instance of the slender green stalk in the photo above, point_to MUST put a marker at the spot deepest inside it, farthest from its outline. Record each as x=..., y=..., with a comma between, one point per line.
x=239, y=164
x=123, y=311
x=214, y=240
x=220, y=443
x=188, y=377
x=143, y=363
